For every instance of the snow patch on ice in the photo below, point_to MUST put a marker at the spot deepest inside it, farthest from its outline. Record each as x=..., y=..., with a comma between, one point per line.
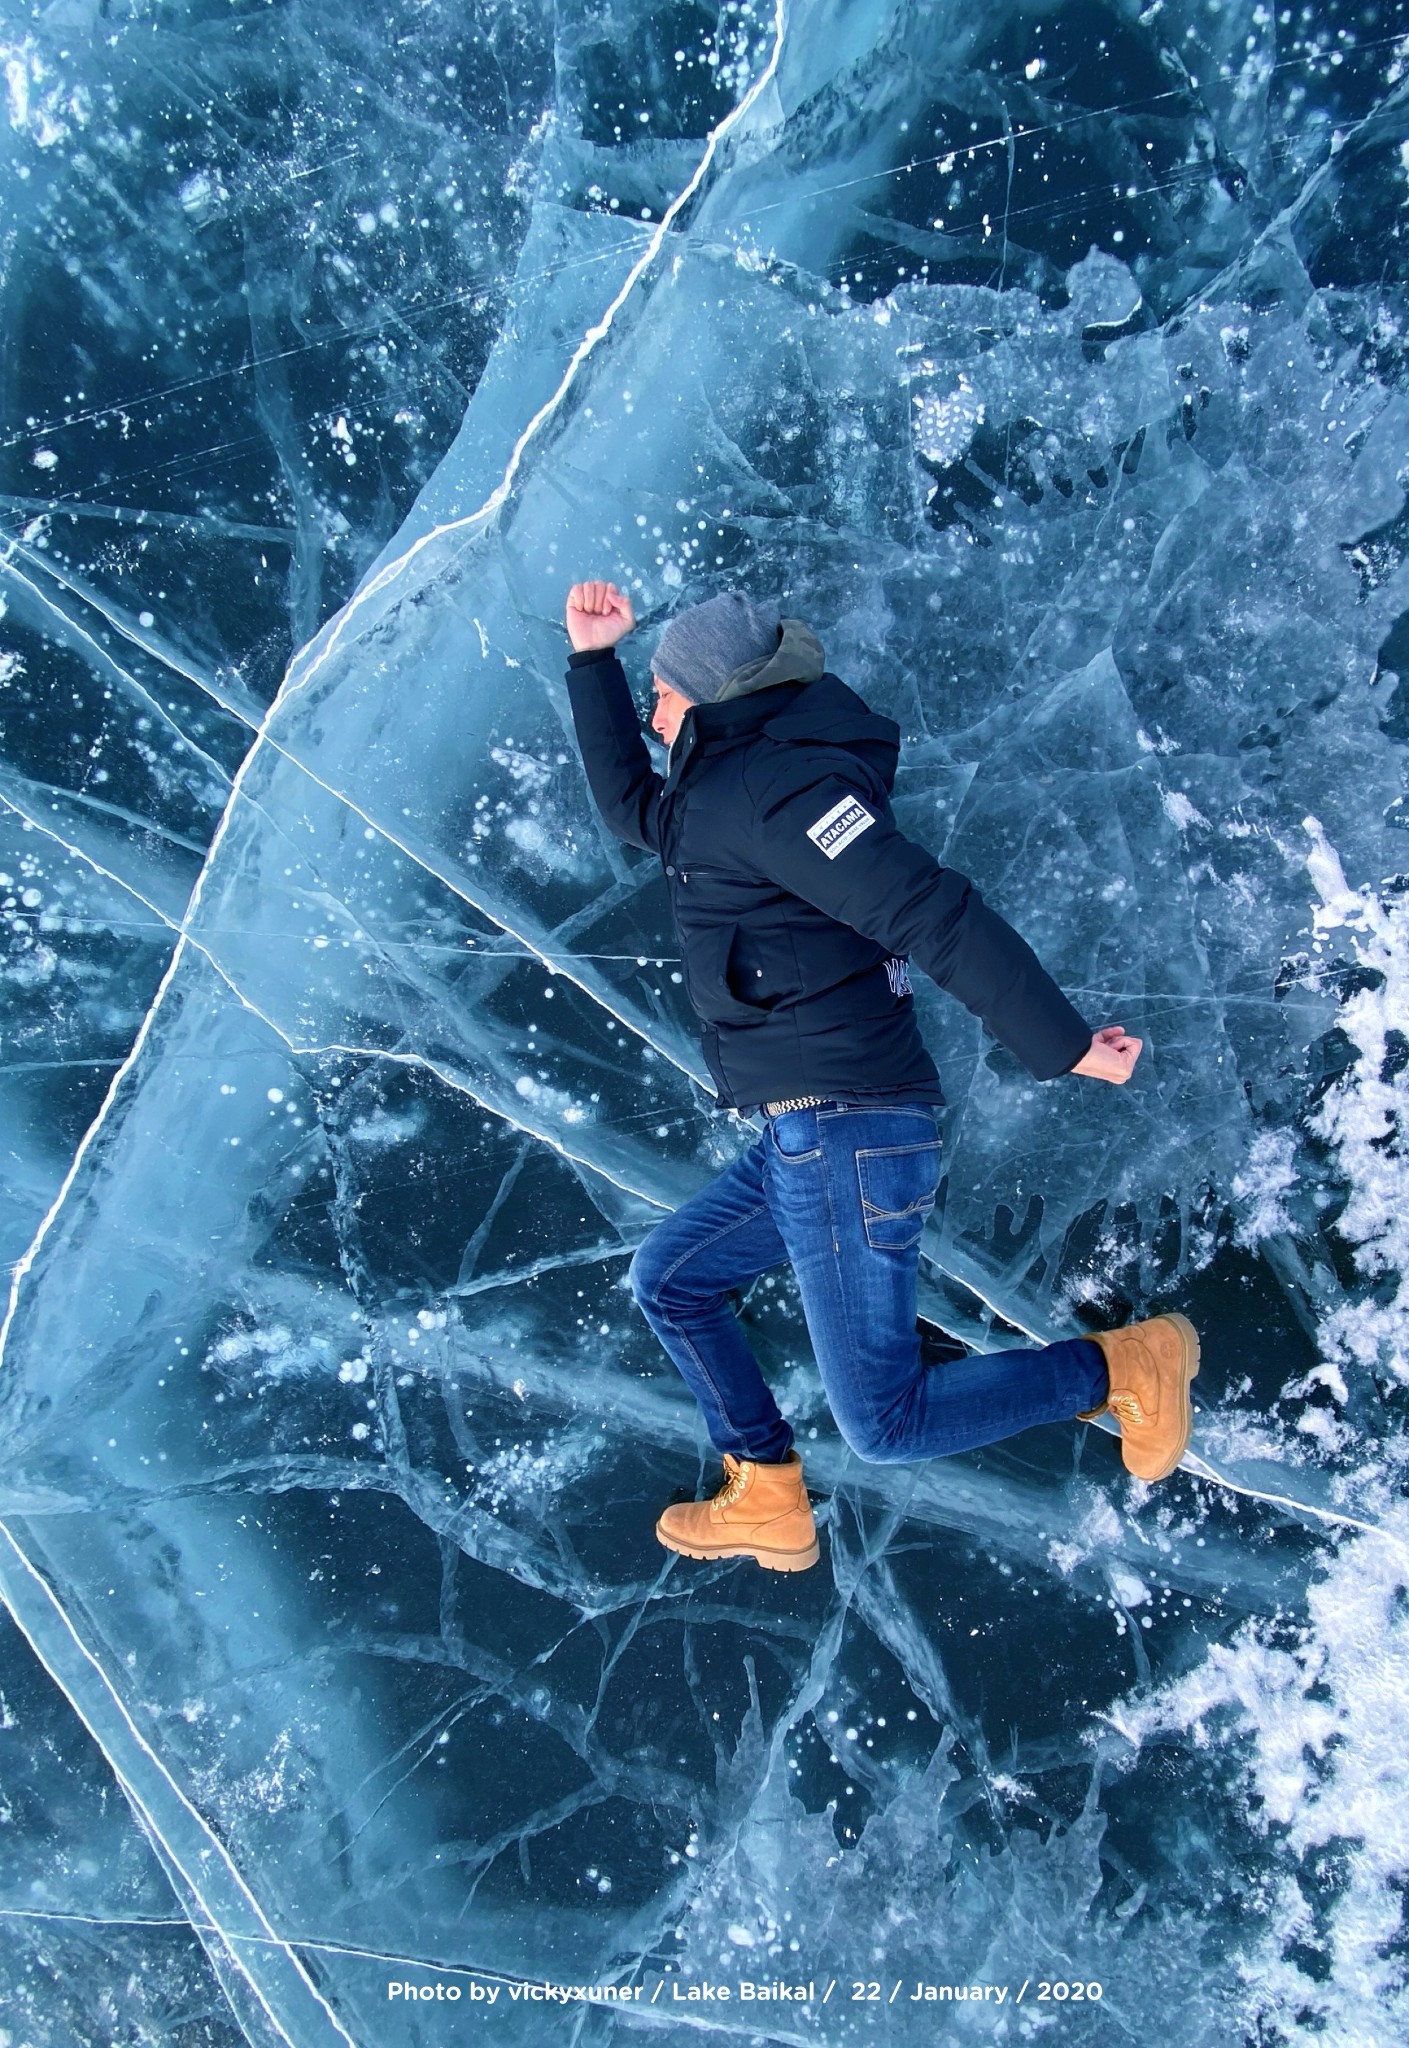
x=1364, y=1118
x=1180, y=811
x=1317, y=1721
x=37, y=105
x=1269, y=1174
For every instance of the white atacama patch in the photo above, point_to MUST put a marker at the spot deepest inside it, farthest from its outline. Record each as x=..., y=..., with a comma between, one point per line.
x=837, y=827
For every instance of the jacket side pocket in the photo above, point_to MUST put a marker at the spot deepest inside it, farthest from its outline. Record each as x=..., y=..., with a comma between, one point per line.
x=706, y=964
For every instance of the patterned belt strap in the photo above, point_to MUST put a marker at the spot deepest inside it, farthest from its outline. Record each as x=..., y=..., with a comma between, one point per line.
x=795, y=1102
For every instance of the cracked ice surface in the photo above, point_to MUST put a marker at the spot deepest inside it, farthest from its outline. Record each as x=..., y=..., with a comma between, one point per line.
x=1054, y=372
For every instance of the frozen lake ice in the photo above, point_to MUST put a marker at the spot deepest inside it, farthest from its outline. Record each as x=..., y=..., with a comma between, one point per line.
x=1055, y=365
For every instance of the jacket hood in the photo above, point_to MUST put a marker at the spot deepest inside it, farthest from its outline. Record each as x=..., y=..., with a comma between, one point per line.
x=829, y=713
x=825, y=713
x=797, y=658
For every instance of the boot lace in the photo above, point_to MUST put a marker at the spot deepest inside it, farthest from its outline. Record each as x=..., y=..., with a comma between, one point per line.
x=1127, y=1407
x=731, y=1489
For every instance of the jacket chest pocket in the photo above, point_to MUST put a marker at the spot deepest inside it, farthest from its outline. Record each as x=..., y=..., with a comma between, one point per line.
x=898, y=1188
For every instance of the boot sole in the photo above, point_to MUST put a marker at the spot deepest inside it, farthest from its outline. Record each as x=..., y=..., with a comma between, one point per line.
x=1189, y=1363
x=771, y=1560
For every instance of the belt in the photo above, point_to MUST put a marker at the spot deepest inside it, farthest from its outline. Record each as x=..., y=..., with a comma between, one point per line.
x=795, y=1102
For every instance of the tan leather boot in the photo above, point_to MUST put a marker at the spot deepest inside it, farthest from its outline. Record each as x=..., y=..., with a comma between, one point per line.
x=1150, y=1366
x=761, y=1511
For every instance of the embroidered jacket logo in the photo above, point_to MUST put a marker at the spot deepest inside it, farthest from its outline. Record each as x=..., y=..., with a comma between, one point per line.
x=837, y=827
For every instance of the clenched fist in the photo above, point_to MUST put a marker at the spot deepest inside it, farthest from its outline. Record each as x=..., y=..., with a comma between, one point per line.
x=598, y=615
x=1112, y=1056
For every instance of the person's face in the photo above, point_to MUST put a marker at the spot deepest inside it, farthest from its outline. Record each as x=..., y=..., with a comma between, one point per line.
x=670, y=710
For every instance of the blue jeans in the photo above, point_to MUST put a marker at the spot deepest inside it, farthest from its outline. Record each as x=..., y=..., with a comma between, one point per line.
x=841, y=1192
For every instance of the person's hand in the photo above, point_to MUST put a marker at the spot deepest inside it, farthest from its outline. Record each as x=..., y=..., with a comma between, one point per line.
x=598, y=615
x=1112, y=1056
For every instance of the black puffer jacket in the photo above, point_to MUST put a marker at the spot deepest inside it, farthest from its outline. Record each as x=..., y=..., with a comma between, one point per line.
x=796, y=900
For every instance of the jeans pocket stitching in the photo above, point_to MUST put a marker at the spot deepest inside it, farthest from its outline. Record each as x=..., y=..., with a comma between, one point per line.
x=873, y=1216
x=871, y=1222
x=890, y=1152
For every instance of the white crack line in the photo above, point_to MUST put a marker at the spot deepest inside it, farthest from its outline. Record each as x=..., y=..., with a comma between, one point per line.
x=293, y=681
x=1192, y=1463
x=446, y=881
x=216, y=1848
x=586, y=1993
x=551, y=961
x=472, y=521
x=1198, y=1468
x=105, y=656
x=300, y=1051
x=1201, y=1469
x=120, y=624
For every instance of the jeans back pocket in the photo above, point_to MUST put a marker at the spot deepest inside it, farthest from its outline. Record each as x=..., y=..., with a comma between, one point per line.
x=898, y=1188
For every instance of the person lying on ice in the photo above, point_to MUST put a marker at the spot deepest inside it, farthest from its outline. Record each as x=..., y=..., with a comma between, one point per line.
x=798, y=905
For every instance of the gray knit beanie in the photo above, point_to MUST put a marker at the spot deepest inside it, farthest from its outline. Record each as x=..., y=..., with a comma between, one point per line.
x=729, y=645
